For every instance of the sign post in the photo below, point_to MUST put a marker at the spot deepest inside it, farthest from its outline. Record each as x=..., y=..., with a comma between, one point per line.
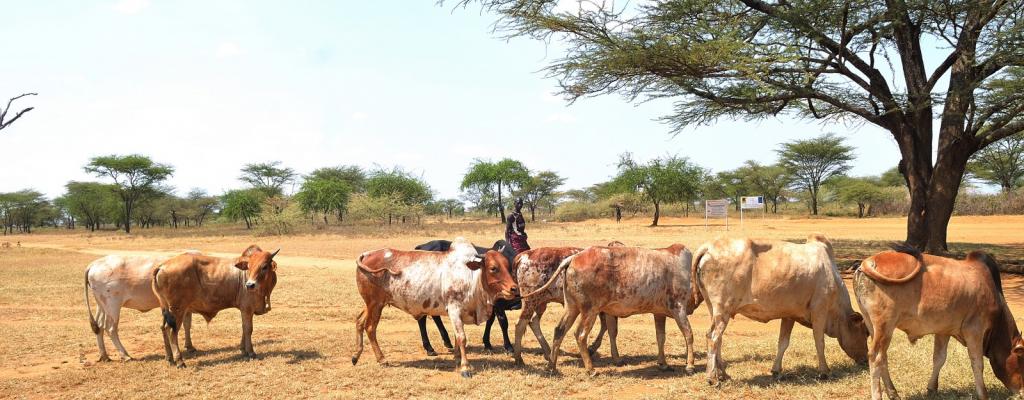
x=716, y=209
x=751, y=202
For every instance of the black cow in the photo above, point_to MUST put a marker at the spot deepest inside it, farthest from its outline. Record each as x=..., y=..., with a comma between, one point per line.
x=500, y=305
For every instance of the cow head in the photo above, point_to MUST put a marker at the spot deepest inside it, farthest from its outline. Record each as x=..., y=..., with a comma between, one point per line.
x=495, y=275
x=853, y=337
x=1013, y=377
x=260, y=276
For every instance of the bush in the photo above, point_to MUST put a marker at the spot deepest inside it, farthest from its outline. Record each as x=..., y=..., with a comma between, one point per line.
x=989, y=204
x=577, y=211
x=280, y=216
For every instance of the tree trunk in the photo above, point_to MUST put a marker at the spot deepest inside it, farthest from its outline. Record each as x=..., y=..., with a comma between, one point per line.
x=814, y=201
x=127, y=217
x=657, y=213
x=860, y=210
x=533, y=213
x=501, y=204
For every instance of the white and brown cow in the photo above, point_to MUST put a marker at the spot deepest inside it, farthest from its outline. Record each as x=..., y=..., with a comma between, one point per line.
x=928, y=295
x=623, y=281
x=766, y=280
x=459, y=283
x=207, y=285
x=122, y=281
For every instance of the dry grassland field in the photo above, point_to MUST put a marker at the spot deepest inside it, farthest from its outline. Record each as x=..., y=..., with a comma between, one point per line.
x=48, y=351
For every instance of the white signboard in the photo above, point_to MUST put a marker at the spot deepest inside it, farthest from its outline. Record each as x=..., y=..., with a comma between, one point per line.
x=749, y=202
x=716, y=208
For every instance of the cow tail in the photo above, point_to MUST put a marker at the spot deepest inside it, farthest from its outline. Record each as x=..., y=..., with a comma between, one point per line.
x=561, y=267
x=364, y=268
x=92, y=319
x=169, y=320
x=696, y=297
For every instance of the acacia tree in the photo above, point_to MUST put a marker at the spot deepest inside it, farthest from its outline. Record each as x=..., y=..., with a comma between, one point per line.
x=268, y=177
x=353, y=175
x=812, y=161
x=538, y=188
x=400, y=189
x=504, y=176
x=1001, y=163
x=662, y=180
x=134, y=176
x=4, y=122
x=767, y=180
x=244, y=204
x=812, y=59
x=324, y=195
x=90, y=202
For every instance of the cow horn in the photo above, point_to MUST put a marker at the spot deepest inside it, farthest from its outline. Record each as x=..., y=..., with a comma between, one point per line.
x=274, y=253
x=501, y=249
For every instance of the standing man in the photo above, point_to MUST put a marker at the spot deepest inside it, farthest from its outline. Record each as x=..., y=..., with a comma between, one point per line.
x=515, y=229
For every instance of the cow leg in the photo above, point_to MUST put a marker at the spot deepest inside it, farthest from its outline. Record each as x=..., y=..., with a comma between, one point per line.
x=785, y=331
x=659, y=330
x=101, y=321
x=613, y=335
x=487, y=331
x=818, y=328
x=113, y=320
x=545, y=349
x=172, y=324
x=188, y=333
x=600, y=335
x=372, y=320
x=976, y=354
x=460, y=340
x=571, y=312
x=878, y=360
x=716, y=366
x=247, y=350
x=443, y=332
x=524, y=320
x=582, y=331
x=938, y=360
x=683, y=323
x=360, y=326
x=503, y=323
x=422, y=322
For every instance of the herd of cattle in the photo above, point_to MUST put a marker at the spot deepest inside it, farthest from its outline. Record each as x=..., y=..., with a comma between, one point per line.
x=760, y=279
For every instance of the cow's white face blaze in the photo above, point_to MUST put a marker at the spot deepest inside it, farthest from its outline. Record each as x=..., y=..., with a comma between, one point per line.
x=260, y=276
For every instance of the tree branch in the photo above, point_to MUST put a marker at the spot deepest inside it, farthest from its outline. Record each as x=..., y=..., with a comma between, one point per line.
x=3, y=115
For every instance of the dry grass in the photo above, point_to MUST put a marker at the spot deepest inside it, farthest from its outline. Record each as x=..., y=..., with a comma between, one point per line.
x=306, y=341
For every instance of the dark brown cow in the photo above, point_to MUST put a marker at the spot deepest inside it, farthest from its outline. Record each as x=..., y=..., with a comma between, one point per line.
x=922, y=295
x=193, y=283
x=624, y=281
x=458, y=283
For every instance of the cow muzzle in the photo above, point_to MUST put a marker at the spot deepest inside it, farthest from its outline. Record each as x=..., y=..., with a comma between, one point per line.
x=250, y=285
x=510, y=294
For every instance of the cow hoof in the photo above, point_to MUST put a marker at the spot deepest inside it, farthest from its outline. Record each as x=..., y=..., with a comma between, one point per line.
x=431, y=353
x=449, y=346
x=777, y=375
x=103, y=358
x=689, y=370
x=619, y=362
x=466, y=374
x=519, y=362
x=488, y=347
x=190, y=349
x=509, y=349
x=714, y=383
x=666, y=368
x=822, y=377
x=592, y=373
x=127, y=359
x=181, y=365
x=593, y=352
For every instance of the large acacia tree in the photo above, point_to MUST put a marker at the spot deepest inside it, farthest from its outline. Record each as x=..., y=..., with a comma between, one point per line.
x=135, y=176
x=488, y=178
x=854, y=60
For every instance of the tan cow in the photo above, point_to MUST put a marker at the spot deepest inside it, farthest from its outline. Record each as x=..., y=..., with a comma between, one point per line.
x=925, y=295
x=122, y=281
x=766, y=280
x=458, y=283
x=206, y=285
x=623, y=281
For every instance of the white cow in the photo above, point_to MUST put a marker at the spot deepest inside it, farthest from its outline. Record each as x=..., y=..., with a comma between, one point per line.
x=769, y=279
x=458, y=283
x=122, y=281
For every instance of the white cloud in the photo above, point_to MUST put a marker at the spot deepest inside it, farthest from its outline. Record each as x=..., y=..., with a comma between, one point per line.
x=228, y=49
x=560, y=118
x=551, y=98
x=131, y=7
x=358, y=116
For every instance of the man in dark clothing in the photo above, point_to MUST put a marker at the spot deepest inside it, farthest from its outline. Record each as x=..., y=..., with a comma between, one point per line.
x=515, y=229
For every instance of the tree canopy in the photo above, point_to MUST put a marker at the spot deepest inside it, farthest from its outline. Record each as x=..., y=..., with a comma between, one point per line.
x=134, y=177
x=857, y=61
x=1001, y=164
x=540, y=188
x=268, y=177
x=493, y=179
x=812, y=161
x=668, y=179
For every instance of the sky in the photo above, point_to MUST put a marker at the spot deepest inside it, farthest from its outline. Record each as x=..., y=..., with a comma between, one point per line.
x=208, y=86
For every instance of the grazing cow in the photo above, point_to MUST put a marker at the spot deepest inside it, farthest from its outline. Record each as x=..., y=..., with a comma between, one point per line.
x=206, y=285
x=459, y=282
x=532, y=269
x=122, y=281
x=500, y=305
x=766, y=280
x=623, y=281
x=923, y=295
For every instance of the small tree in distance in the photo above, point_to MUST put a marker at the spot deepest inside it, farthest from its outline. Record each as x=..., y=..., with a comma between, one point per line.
x=1001, y=163
x=268, y=178
x=134, y=176
x=662, y=180
x=540, y=187
x=810, y=162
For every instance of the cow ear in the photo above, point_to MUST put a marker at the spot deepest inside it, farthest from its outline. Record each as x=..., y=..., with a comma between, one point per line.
x=856, y=318
x=273, y=265
x=242, y=263
x=476, y=264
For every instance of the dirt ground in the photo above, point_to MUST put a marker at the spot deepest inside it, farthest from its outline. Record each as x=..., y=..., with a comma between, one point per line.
x=305, y=343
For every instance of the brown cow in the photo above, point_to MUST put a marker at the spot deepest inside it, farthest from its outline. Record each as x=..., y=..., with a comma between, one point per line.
x=532, y=269
x=923, y=295
x=191, y=283
x=624, y=281
x=458, y=282
x=768, y=279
